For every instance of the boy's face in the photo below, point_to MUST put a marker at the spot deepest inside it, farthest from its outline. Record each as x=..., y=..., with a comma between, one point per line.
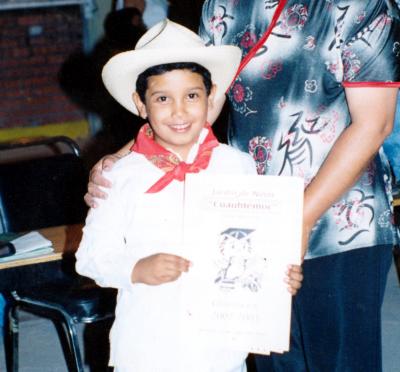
x=176, y=106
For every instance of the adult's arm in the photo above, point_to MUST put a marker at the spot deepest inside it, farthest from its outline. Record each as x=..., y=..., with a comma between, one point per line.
x=372, y=113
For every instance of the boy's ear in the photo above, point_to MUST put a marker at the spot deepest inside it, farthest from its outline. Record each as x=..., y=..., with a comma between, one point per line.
x=215, y=105
x=211, y=96
x=141, y=107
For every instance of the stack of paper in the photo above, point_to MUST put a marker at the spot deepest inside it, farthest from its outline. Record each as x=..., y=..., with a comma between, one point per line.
x=29, y=245
x=241, y=233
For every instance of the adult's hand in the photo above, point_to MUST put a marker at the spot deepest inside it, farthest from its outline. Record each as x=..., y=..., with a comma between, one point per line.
x=98, y=180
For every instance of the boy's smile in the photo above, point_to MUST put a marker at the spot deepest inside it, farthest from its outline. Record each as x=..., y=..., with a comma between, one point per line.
x=176, y=106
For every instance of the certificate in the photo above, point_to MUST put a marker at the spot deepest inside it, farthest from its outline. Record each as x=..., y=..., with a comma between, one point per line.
x=240, y=232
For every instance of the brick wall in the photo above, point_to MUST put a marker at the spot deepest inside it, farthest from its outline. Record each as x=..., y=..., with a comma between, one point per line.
x=33, y=45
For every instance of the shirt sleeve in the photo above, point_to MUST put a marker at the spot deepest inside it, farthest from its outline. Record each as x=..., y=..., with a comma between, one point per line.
x=370, y=53
x=102, y=254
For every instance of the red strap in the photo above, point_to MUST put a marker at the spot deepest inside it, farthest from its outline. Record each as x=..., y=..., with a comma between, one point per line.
x=260, y=42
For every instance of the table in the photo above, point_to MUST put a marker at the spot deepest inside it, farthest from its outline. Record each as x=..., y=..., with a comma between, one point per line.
x=29, y=272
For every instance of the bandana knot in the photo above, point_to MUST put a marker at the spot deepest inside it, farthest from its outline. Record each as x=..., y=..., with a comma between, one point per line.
x=174, y=168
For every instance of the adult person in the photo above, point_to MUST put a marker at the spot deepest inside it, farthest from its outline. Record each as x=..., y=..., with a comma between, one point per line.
x=186, y=12
x=315, y=96
x=80, y=78
x=153, y=10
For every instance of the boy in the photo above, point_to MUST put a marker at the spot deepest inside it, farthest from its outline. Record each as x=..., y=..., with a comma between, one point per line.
x=132, y=240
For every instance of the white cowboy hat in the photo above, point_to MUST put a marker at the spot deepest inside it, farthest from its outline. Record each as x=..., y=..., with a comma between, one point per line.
x=168, y=42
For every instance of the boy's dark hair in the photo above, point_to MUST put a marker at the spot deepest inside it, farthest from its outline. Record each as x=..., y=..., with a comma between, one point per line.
x=142, y=80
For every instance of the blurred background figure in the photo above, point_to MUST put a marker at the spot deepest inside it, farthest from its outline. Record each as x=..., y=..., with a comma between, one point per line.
x=124, y=25
x=80, y=78
x=153, y=10
x=185, y=12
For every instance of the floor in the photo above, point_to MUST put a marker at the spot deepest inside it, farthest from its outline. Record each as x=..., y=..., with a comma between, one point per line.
x=40, y=349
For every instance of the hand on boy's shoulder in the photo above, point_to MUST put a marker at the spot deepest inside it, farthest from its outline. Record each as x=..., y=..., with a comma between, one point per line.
x=97, y=179
x=159, y=268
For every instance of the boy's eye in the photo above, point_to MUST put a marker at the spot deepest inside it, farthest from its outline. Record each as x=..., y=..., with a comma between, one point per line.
x=161, y=99
x=193, y=95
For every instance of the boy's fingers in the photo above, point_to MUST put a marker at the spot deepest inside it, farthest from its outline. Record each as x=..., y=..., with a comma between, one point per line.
x=293, y=286
x=169, y=273
x=181, y=265
x=295, y=276
x=170, y=278
x=295, y=272
x=295, y=268
x=174, y=258
x=172, y=274
x=177, y=263
x=299, y=277
x=294, y=283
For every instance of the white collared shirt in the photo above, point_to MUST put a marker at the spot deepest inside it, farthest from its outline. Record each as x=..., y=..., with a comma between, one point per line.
x=130, y=225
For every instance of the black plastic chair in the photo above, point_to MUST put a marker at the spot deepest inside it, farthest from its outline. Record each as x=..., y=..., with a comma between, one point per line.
x=43, y=192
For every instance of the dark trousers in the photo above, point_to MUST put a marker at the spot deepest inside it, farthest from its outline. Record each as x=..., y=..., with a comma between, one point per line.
x=336, y=317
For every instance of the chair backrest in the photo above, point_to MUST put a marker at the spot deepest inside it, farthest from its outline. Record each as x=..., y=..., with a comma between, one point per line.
x=44, y=191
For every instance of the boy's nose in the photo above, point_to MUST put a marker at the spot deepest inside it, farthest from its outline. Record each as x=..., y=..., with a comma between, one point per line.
x=179, y=109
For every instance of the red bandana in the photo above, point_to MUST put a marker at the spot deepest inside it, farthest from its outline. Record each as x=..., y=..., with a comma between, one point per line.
x=174, y=168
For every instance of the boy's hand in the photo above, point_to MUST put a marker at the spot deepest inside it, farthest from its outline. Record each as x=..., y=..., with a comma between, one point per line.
x=96, y=180
x=294, y=278
x=159, y=268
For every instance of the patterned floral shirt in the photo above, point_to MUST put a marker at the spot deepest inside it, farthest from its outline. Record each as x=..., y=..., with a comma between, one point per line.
x=288, y=103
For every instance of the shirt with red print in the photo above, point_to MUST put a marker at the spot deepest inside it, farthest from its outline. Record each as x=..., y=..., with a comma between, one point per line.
x=288, y=104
